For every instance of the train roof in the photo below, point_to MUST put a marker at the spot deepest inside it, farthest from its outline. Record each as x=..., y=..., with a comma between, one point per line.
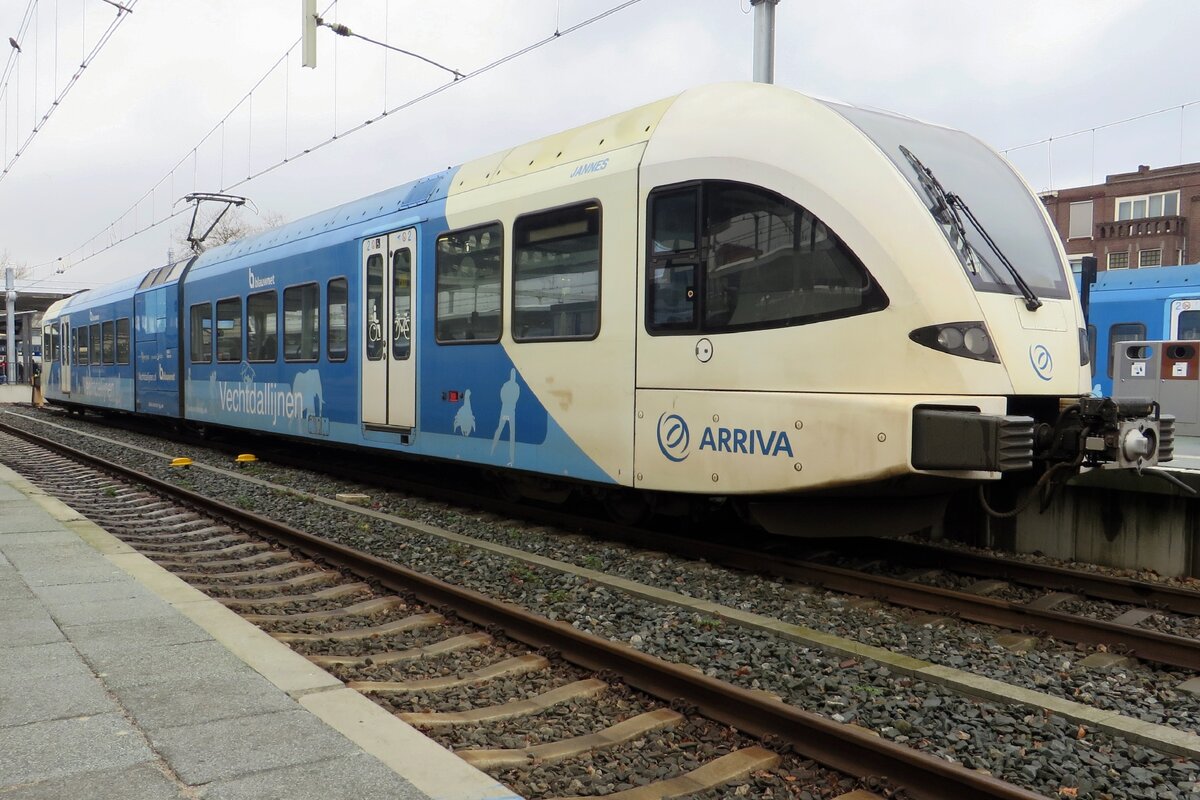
x=1152, y=279
x=118, y=290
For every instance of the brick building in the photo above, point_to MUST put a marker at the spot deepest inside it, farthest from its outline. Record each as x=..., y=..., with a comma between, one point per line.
x=1132, y=220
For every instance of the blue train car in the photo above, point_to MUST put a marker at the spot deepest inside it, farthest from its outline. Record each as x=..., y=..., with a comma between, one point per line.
x=91, y=342
x=1127, y=305
x=158, y=382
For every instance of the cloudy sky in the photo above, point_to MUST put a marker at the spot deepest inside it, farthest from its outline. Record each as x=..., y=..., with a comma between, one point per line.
x=1008, y=71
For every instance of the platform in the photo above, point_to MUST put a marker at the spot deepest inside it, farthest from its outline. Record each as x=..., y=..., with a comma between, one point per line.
x=119, y=680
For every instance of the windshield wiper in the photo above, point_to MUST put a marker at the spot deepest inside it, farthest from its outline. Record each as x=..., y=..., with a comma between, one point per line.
x=945, y=210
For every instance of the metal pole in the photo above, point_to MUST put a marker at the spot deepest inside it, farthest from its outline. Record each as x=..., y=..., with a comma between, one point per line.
x=764, y=40
x=10, y=297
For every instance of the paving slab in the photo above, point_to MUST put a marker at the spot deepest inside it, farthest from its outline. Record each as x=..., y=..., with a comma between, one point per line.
x=52, y=576
x=38, y=538
x=149, y=634
x=56, y=749
x=169, y=704
x=66, y=556
x=122, y=666
x=139, y=782
x=354, y=776
x=218, y=750
x=24, y=632
x=50, y=660
x=31, y=697
x=54, y=597
x=80, y=614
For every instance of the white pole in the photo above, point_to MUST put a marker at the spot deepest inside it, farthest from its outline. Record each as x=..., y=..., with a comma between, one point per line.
x=10, y=297
x=764, y=40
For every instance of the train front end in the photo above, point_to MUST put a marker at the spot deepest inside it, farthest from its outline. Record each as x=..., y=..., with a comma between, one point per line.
x=860, y=304
x=1029, y=320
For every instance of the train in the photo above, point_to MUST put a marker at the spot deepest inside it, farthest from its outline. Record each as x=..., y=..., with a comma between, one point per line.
x=739, y=296
x=1139, y=305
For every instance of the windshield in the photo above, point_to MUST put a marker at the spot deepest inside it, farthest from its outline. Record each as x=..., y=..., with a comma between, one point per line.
x=988, y=185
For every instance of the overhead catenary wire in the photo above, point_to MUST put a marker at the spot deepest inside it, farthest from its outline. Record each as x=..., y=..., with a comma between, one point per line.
x=73, y=261
x=123, y=12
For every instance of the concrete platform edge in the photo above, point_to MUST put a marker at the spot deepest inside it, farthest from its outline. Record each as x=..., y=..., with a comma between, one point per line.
x=402, y=748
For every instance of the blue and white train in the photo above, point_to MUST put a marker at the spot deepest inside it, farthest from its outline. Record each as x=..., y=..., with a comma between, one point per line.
x=739, y=293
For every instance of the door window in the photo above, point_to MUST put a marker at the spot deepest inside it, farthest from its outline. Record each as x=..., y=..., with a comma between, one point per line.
x=401, y=304
x=373, y=310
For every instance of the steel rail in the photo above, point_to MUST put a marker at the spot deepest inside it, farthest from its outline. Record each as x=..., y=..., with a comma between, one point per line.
x=846, y=748
x=1049, y=576
x=1150, y=645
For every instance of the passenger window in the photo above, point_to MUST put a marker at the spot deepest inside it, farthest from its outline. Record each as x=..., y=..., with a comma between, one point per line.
x=94, y=344
x=1122, y=332
x=302, y=322
x=337, y=315
x=468, y=285
x=556, y=274
x=766, y=263
x=81, y=346
x=675, y=219
x=770, y=263
x=108, y=347
x=401, y=303
x=123, y=341
x=374, y=308
x=262, y=326
x=229, y=330
x=201, y=341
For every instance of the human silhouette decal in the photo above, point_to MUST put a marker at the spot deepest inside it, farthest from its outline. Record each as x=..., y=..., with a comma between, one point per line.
x=509, y=393
x=464, y=420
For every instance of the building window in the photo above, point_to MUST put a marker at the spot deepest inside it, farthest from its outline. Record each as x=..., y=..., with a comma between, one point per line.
x=468, y=285
x=1163, y=204
x=1076, y=263
x=1118, y=260
x=1081, y=221
x=302, y=322
x=201, y=334
x=336, y=313
x=123, y=341
x=556, y=274
x=229, y=330
x=1149, y=258
x=262, y=326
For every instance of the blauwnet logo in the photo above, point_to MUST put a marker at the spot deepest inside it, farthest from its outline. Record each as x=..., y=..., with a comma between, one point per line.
x=673, y=437
x=1042, y=363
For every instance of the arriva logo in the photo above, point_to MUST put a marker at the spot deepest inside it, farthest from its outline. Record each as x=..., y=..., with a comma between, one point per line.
x=674, y=440
x=673, y=437
x=1043, y=363
x=258, y=283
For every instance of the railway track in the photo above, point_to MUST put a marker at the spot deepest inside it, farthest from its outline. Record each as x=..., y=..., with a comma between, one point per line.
x=549, y=709
x=1045, y=612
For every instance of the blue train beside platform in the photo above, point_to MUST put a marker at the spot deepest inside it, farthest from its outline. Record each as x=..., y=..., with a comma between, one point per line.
x=1139, y=304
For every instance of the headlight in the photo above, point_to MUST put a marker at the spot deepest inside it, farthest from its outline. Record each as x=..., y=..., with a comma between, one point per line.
x=966, y=339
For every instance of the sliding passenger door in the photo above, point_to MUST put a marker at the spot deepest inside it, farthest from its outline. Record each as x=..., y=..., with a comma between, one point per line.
x=65, y=367
x=389, y=385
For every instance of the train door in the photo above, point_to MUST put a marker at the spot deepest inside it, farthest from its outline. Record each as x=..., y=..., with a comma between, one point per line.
x=65, y=365
x=389, y=385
